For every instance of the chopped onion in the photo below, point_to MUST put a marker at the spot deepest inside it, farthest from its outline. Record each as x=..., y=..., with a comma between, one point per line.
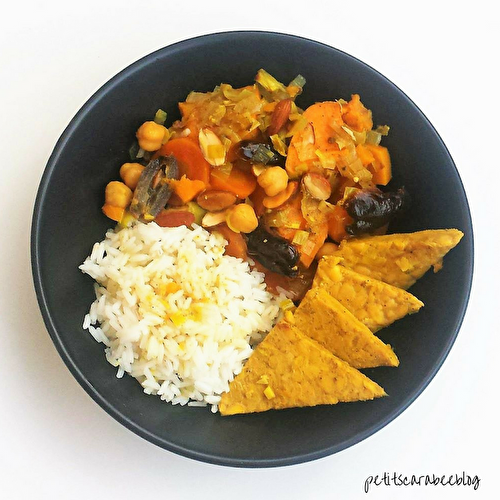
x=349, y=132
x=280, y=219
x=259, y=153
x=308, y=247
x=298, y=81
x=374, y=136
x=295, y=86
x=235, y=95
x=383, y=129
x=196, y=96
x=275, y=219
x=325, y=207
x=218, y=114
x=287, y=305
x=133, y=150
x=298, y=123
x=349, y=191
x=160, y=117
x=327, y=162
x=271, y=88
x=357, y=137
x=309, y=207
x=225, y=169
x=300, y=237
x=279, y=144
x=268, y=81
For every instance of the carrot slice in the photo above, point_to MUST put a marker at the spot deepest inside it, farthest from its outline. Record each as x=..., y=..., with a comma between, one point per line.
x=187, y=189
x=364, y=154
x=257, y=197
x=382, y=173
x=377, y=160
x=356, y=116
x=236, y=245
x=291, y=220
x=114, y=213
x=238, y=182
x=291, y=217
x=337, y=223
x=186, y=108
x=311, y=247
x=324, y=120
x=188, y=154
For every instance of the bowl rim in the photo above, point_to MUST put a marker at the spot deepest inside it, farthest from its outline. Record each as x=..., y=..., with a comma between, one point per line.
x=207, y=457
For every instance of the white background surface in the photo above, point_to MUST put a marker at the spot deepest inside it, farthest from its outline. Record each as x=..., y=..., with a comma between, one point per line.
x=55, y=441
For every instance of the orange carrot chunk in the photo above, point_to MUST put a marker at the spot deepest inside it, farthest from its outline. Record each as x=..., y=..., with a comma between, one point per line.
x=377, y=160
x=337, y=223
x=382, y=172
x=314, y=242
x=356, y=116
x=257, y=198
x=114, y=213
x=187, y=189
x=188, y=154
x=238, y=182
x=236, y=245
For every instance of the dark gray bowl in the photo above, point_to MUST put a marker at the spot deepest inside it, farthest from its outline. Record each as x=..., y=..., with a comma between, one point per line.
x=67, y=221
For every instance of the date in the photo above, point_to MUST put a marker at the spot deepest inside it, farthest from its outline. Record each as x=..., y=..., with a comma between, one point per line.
x=372, y=209
x=273, y=252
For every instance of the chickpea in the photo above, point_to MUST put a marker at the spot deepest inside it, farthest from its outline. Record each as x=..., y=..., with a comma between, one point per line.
x=241, y=218
x=151, y=136
x=273, y=180
x=118, y=194
x=130, y=173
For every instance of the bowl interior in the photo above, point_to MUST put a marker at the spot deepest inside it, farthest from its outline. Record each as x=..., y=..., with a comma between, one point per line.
x=68, y=220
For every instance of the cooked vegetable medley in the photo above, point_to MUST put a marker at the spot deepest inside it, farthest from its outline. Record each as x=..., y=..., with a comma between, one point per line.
x=287, y=183
x=300, y=195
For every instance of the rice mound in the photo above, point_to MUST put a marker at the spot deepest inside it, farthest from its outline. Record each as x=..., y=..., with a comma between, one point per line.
x=174, y=312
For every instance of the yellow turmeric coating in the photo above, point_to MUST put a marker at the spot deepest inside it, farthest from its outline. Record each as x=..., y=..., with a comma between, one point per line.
x=373, y=302
x=398, y=259
x=329, y=323
x=299, y=372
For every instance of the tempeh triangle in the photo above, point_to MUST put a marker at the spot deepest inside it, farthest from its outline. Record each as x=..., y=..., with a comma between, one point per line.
x=288, y=369
x=329, y=323
x=398, y=259
x=375, y=303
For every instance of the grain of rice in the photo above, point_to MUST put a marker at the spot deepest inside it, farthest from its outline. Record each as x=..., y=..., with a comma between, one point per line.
x=86, y=322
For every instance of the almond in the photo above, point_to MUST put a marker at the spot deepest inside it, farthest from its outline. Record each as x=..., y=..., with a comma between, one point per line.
x=317, y=186
x=215, y=200
x=212, y=148
x=280, y=116
x=211, y=219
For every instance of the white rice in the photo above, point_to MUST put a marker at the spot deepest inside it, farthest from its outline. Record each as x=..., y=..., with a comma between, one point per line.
x=187, y=345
